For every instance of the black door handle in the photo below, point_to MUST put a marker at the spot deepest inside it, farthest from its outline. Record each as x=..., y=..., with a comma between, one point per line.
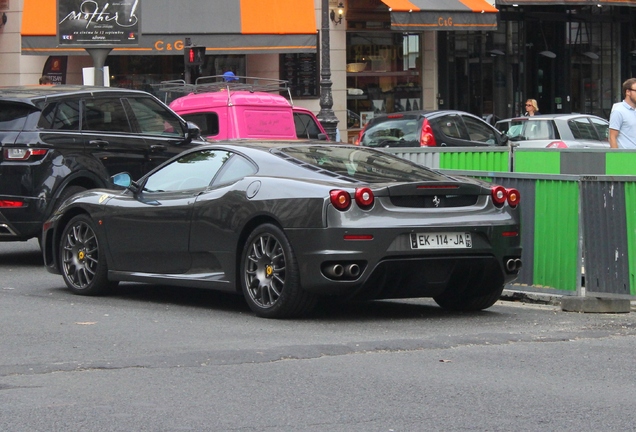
x=157, y=147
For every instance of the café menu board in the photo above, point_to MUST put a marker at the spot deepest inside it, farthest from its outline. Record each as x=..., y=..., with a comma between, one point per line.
x=301, y=71
x=86, y=23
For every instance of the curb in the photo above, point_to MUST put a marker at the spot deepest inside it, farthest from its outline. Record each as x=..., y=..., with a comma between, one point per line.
x=531, y=297
x=569, y=303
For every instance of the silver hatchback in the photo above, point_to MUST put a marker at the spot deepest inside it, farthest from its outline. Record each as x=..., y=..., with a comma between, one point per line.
x=557, y=131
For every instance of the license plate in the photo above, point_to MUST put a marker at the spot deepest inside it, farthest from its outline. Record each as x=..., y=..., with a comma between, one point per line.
x=441, y=240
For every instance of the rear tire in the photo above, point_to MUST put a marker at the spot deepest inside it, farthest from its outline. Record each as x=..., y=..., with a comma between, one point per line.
x=468, y=302
x=82, y=261
x=269, y=274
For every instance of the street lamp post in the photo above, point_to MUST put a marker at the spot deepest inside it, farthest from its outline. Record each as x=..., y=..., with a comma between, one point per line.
x=326, y=115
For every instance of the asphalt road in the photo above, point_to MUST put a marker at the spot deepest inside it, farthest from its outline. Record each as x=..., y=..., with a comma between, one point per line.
x=152, y=358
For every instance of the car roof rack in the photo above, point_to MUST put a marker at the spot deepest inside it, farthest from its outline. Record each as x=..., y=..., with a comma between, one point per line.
x=226, y=82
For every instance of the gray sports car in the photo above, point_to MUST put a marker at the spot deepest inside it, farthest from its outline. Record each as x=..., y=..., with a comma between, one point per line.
x=287, y=223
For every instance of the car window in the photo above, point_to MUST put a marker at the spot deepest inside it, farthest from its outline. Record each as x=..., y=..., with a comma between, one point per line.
x=503, y=126
x=192, y=171
x=234, y=169
x=602, y=128
x=479, y=131
x=538, y=130
x=582, y=129
x=449, y=126
x=207, y=122
x=13, y=116
x=61, y=116
x=393, y=130
x=305, y=126
x=362, y=164
x=153, y=118
x=514, y=131
x=105, y=115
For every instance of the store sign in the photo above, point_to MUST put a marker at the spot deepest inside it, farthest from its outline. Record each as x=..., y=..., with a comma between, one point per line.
x=98, y=22
x=55, y=69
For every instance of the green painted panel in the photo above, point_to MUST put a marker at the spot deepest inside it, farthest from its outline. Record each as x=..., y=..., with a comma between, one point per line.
x=556, y=234
x=620, y=163
x=539, y=162
x=630, y=209
x=475, y=161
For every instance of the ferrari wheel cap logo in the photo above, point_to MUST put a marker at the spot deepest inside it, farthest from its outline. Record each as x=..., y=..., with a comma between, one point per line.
x=269, y=270
x=81, y=255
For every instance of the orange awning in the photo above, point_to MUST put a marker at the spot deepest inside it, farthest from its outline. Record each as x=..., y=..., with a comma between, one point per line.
x=420, y=15
x=38, y=18
x=223, y=26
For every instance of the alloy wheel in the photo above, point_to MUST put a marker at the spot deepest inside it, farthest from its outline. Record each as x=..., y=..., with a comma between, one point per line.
x=80, y=255
x=265, y=270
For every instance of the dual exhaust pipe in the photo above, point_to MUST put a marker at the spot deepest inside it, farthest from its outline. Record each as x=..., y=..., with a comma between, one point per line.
x=513, y=265
x=342, y=271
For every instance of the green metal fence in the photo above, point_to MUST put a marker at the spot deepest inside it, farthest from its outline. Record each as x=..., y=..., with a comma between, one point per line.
x=578, y=212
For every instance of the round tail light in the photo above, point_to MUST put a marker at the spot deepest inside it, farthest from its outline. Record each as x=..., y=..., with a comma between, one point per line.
x=499, y=195
x=513, y=197
x=340, y=199
x=364, y=197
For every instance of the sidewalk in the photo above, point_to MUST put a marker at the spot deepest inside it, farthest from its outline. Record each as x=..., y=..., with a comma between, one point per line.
x=536, y=297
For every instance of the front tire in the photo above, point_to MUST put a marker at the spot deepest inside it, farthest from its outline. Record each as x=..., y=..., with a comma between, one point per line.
x=83, y=264
x=269, y=274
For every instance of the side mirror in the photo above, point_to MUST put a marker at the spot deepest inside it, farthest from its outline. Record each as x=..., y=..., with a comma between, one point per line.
x=193, y=132
x=122, y=180
x=504, y=139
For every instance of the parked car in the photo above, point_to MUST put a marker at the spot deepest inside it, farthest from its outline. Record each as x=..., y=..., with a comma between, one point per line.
x=443, y=128
x=281, y=223
x=557, y=131
x=243, y=107
x=56, y=141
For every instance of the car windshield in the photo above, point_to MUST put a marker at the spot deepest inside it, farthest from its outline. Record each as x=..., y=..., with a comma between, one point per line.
x=384, y=133
x=362, y=164
x=526, y=130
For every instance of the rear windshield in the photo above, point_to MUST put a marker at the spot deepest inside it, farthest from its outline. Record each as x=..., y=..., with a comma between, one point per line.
x=362, y=164
x=525, y=130
x=13, y=116
x=392, y=132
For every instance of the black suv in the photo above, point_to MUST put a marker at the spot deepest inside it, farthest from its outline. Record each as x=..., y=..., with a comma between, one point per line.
x=60, y=140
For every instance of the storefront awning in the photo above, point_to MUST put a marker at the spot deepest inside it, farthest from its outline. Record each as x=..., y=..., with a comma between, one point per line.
x=597, y=3
x=222, y=26
x=421, y=15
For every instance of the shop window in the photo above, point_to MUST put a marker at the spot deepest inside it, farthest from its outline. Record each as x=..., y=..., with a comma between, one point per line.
x=383, y=74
